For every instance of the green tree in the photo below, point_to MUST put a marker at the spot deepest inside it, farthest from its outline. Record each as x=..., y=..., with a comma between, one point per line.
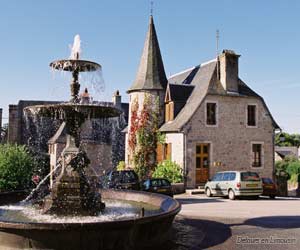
x=16, y=167
x=286, y=139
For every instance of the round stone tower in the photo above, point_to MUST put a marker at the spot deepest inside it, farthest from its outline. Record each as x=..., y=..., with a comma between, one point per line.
x=150, y=82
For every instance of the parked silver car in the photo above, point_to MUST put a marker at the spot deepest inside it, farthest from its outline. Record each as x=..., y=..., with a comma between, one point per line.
x=234, y=183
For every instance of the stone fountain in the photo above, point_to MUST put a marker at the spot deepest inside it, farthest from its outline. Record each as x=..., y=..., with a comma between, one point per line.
x=72, y=192
x=74, y=216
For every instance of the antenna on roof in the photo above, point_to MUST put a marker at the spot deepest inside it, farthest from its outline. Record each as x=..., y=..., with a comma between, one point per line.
x=217, y=51
x=151, y=8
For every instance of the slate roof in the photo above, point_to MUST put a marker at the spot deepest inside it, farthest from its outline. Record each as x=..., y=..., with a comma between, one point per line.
x=151, y=73
x=283, y=154
x=201, y=82
x=204, y=80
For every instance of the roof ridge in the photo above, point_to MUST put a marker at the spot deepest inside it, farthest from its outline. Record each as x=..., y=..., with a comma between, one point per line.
x=180, y=84
x=183, y=71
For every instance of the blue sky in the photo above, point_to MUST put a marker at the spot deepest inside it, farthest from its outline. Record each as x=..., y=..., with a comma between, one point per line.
x=266, y=34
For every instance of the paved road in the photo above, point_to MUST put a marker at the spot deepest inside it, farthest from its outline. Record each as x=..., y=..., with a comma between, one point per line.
x=222, y=224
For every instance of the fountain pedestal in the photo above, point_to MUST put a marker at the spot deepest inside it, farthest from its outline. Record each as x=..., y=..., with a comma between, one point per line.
x=72, y=193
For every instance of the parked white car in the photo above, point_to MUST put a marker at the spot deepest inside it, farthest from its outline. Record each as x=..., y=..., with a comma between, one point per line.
x=234, y=183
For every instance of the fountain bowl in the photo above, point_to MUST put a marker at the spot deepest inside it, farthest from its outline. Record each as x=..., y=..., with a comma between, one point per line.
x=136, y=233
x=64, y=110
x=75, y=65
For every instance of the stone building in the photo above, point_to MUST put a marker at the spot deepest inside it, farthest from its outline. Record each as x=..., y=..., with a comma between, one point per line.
x=213, y=121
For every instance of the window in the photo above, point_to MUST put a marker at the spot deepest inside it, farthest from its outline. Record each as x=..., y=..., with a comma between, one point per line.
x=226, y=177
x=217, y=177
x=256, y=155
x=211, y=113
x=165, y=183
x=163, y=152
x=251, y=113
x=232, y=176
x=249, y=176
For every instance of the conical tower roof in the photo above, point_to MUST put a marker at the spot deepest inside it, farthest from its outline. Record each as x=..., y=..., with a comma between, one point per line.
x=151, y=73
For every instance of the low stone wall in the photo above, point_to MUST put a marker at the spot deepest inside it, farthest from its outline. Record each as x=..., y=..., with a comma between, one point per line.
x=178, y=188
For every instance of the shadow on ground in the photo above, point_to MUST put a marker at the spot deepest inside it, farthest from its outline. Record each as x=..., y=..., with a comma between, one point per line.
x=283, y=222
x=197, y=201
x=195, y=234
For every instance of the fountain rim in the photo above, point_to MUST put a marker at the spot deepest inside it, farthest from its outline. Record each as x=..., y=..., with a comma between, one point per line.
x=78, y=107
x=175, y=209
x=92, y=66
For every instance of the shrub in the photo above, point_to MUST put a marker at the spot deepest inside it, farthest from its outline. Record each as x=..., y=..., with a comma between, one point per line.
x=291, y=166
x=121, y=166
x=169, y=170
x=16, y=166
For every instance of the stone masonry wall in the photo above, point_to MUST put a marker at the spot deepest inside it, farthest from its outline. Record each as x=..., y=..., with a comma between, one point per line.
x=230, y=141
x=140, y=97
x=14, y=124
x=177, y=150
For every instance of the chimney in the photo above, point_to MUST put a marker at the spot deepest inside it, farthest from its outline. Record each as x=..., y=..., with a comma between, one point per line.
x=117, y=99
x=13, y=124
x=1, y=111
x=229, y=70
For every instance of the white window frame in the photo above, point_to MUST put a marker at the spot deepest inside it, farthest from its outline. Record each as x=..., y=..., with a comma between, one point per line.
x=262, y=154
x=256, y=115
x=217, y=114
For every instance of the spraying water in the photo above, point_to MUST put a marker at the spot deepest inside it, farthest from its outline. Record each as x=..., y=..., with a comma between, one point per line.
x=76, y=48
x=30, y=196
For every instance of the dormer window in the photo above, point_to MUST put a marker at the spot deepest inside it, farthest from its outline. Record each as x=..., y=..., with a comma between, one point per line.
x=251, y=115
x=211, y=113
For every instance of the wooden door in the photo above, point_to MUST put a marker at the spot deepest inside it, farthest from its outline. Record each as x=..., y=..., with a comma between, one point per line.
x=202, y=163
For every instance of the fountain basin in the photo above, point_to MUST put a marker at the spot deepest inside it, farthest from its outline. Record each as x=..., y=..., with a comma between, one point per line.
x=134, y=233
x=65, y=111
x=73, y=64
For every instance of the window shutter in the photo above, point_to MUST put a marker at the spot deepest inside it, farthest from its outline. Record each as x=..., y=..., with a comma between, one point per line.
x=169, y=151
x=171, y=115
x=159, y=152
x=167, y=115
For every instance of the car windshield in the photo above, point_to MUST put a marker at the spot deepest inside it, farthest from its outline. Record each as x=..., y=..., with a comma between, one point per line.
x=165, y=182
x=128, y=176
x=155, y=183
x=267, y=181
x=249, y=176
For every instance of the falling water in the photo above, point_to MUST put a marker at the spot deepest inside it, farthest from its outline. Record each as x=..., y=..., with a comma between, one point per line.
x=30, y=196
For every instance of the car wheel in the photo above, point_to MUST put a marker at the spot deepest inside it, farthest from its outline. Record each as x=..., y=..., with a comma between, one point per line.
x=272, y=196
x=231, y=194
x=208, y=192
